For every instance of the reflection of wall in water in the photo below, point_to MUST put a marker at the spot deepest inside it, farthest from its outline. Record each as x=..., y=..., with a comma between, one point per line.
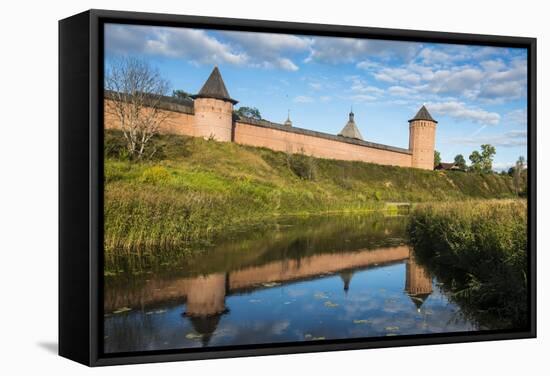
x=205, y=295
x=418, y=282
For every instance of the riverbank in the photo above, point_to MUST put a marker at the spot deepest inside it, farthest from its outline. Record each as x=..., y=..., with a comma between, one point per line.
x=193, y=189
x=480, y=249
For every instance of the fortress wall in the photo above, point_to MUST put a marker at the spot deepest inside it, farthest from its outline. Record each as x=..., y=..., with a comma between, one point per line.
x=178, y=122
x=280, y=140
x=182, y=121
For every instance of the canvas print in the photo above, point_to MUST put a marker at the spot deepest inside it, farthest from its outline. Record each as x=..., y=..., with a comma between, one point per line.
x=264, y=188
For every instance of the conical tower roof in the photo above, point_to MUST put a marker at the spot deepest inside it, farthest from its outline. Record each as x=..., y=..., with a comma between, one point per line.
x=346, y=278
x=351, y=130
x=423, y=114
x=214, y=87
x=205, y=326
x=419, y=299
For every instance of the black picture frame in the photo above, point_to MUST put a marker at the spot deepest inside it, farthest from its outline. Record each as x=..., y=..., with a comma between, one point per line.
x=81, y=187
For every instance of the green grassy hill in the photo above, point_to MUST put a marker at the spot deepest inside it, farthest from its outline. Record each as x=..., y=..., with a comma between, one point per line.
x=194, y=188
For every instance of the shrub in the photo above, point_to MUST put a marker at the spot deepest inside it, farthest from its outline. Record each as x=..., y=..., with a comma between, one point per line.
x=155, y=175
x=479, y=248
x=302, y=166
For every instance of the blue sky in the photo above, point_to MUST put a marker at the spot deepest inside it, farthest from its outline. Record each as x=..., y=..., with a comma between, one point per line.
x=478, y=94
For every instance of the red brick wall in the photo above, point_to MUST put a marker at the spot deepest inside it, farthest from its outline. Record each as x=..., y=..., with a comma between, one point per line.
x=279, y=140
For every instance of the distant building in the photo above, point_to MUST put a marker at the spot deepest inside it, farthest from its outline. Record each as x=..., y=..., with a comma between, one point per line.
x=210, y=115
x=448, y=166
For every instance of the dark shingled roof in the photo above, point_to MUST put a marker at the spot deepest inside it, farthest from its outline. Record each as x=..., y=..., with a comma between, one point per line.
x=215, y=88
x=447, y=166
x=423, y=114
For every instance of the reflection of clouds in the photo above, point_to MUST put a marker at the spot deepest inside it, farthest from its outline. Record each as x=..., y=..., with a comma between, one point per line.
x=296, y=292
x=279, y=327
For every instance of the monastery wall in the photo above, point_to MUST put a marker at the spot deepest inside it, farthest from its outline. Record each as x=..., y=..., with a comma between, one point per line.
x=321, y=145
x=181, y=120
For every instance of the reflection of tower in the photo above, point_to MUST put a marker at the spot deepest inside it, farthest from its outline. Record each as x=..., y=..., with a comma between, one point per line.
x=418, y=283
x=206, y=296
x=206, y=303
x=346, y=278
x=205, y=326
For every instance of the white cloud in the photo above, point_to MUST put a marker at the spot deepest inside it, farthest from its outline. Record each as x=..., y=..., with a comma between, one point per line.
x=315, y=85
x=516, y=117
x=432, y=56
x=401, y=91
x=506, y=140
x=201, y=47
x=438, y=72
x=325, y=98
x=493, y=65
x=362, y=91
x=398, y=75
x=363, y=98
x=195, y=45
x=350, y=50
x=303, y=99
x=268, y=42
x=460, y=111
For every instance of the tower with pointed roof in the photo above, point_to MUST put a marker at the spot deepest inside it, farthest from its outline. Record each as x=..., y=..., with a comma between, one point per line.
x=214, y=109
x=350, y=130
x=422, y=139
x=288, y=122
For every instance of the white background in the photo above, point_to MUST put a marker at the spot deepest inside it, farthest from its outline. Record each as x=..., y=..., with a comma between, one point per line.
x=28, y=185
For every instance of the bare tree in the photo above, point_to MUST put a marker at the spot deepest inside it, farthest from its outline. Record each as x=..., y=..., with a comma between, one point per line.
x=136, y=90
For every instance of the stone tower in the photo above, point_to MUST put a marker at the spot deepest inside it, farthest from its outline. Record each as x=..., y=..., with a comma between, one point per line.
x=214, y=109
x=422, y=139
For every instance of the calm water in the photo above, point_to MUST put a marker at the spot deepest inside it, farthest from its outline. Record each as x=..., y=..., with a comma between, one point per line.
x=300, y=280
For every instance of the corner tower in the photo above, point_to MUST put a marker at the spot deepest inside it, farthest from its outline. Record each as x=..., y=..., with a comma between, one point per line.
x=422, y=139
x=214, y=109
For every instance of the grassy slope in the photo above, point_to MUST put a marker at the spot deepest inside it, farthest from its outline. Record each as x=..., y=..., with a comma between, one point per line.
x=195, y=188
x=480, y=250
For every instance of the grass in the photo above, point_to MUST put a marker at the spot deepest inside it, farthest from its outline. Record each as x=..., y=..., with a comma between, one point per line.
x=480, y=249
x=193, y=190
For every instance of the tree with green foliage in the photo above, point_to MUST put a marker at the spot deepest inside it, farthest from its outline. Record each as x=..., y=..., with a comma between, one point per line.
x=460, y=162
x=437, y=158
x=482, y=162
x=249, y=112
x=487, y=154
x=475, y=161
x=180, y=94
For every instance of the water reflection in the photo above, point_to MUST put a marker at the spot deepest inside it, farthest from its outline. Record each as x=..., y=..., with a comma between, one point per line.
x=314, y=279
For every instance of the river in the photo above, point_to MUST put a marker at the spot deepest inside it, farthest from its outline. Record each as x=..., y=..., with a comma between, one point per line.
x=302, y=279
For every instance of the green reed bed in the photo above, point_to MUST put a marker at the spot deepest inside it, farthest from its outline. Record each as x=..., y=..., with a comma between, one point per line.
x=480, y=249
